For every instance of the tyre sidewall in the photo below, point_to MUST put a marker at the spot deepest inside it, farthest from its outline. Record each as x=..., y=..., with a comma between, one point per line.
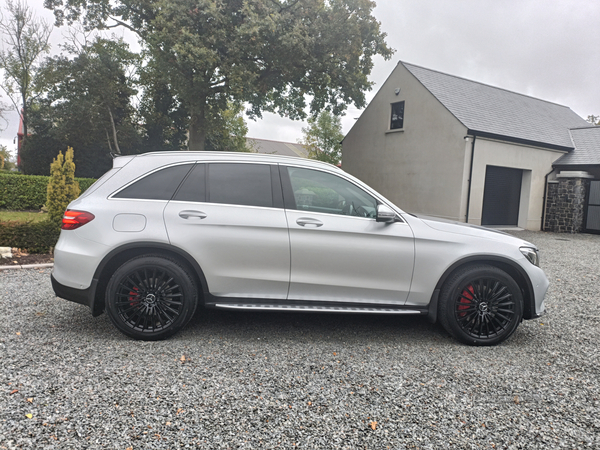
x=453, y=288
x=181, y=277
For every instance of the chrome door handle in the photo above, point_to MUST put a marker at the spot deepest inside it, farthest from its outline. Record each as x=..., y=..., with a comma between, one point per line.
x=194, y=215
x=308, y=222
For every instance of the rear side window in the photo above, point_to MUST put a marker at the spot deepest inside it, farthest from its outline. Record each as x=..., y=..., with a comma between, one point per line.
x=240, y=184
x=159, y=185
x=193, y=188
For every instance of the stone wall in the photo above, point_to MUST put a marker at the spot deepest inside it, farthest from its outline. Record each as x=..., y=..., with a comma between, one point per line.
x=565, y=205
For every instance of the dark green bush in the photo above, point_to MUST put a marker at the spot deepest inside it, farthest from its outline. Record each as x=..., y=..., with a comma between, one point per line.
x=33, y=237
x=28, y=192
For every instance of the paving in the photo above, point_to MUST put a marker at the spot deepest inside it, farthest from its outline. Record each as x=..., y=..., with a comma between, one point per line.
x=270, y=380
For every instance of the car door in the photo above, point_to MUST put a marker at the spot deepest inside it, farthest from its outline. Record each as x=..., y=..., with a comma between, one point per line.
x=339, y=252
x=230, y=218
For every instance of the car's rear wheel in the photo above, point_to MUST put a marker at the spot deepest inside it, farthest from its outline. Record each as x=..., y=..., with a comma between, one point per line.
x=151, y=297
x=481, y=305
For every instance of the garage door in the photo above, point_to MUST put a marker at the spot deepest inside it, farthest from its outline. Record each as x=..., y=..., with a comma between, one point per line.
x=592, y=220
x=501, y=196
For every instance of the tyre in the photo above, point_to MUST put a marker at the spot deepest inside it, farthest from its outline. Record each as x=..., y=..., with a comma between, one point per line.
x=151, y=297
x=480, y=305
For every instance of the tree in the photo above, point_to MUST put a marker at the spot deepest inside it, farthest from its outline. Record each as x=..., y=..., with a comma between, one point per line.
x=594, y=120
x=62, y=187
x=25, y=42
x=6, y=162
x=273, y=55
x=323, y=138
x=227, y=131
x=88, y=106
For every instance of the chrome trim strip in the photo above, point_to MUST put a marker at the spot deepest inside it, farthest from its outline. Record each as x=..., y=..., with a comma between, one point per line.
x=300, y=308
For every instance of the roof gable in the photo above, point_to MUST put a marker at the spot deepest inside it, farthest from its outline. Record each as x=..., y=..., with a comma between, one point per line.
x=500, y=113
x=276, y=147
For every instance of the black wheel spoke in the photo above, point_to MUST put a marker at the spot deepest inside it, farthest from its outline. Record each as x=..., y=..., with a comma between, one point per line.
x=484, y=307
x=149, y=299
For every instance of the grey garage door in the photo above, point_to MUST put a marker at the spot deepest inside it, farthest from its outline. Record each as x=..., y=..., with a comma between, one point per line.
x=501, y=196
x=592, y=219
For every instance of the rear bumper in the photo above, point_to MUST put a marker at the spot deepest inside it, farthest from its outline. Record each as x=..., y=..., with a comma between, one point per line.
x=82, y=296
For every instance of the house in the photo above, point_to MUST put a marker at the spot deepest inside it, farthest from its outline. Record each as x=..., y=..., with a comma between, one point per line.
x=441, y=145
x=276, y=147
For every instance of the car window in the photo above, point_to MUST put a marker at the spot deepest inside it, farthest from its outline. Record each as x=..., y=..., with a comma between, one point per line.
x=159, y=185
x=326, y=193
x=193, y=189
x=240, y=184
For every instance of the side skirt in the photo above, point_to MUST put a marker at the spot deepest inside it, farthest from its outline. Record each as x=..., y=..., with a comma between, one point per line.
x=312, y=306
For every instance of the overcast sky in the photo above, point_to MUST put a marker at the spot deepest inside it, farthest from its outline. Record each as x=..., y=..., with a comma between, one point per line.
x=548, y=49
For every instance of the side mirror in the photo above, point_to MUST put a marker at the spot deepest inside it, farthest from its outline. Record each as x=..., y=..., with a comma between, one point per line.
x=385, y=214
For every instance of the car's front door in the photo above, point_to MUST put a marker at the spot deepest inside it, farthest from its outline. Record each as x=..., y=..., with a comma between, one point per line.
x=230, y=218
x=339, y=252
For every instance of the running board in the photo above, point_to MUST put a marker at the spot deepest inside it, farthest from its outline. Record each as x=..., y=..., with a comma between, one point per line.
x=316, y=308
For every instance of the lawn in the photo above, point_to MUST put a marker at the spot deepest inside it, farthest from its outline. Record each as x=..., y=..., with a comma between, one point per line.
x=22, y=216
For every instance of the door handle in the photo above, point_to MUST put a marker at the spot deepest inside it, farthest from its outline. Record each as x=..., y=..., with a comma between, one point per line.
x=308, y=222
x=194, y=215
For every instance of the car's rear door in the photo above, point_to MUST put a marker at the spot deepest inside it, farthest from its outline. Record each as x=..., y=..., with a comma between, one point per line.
x=339, y=252
x=230, y=218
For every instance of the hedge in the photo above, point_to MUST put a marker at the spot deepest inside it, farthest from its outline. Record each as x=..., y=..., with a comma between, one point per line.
x=33, y=237
x=28, y=192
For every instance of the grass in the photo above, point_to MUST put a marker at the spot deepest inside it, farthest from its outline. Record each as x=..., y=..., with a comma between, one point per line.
x=22, y=216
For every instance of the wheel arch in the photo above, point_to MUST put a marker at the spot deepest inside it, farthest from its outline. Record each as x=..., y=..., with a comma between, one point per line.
x=508, y=266
x=120, y=255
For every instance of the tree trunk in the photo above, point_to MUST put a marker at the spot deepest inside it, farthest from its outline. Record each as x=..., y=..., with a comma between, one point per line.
x=114, y=131
x=24, y=119
x=197, y=131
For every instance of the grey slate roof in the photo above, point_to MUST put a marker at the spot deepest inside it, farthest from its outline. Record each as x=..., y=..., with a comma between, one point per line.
x=276, y=147
x=495, y=111
x=587, y=148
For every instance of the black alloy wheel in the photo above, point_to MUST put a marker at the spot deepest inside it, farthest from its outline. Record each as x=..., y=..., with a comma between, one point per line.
x=151, y=297
x=481, y=305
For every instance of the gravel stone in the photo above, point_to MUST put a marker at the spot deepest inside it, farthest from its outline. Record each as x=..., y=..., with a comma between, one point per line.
x=269, y=380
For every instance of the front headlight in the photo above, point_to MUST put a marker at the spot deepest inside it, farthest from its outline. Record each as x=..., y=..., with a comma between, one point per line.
x=531, y=254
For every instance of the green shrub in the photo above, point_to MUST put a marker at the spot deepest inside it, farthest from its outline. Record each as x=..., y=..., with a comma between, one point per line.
x=28, y=192
x=33, y=237
x=62, y=188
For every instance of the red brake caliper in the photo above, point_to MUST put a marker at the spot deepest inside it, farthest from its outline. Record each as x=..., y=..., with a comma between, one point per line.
x=465, y=300
x=133, y=297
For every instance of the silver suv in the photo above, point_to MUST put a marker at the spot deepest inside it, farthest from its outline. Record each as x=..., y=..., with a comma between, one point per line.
x=163, y=233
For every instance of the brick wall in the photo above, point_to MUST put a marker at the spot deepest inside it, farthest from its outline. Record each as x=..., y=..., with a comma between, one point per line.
x=565, y=205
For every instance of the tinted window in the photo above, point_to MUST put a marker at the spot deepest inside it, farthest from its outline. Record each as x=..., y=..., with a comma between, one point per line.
x=159, y=185
x=323, y=192
x=240, y=184
x=193, y=188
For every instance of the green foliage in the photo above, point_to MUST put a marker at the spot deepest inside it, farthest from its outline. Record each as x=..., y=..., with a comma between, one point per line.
x=28, y=192
x=594, y=120
x=323, y=138
x=229, y=131
x=272, y=55
x=87, y=106
x=62, y=187
x=34, y=237
x=6, y=162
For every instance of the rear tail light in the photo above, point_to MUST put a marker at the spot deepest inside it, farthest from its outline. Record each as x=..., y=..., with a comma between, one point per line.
x=75, y=219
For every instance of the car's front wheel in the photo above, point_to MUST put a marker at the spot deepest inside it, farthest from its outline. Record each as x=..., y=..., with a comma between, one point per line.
x=480, y=305
x=151, y=297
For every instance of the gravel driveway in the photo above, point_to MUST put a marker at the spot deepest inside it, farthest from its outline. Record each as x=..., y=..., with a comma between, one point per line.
x=267, y=380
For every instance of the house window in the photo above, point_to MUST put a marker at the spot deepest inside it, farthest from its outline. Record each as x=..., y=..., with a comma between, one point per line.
x=397, y=121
